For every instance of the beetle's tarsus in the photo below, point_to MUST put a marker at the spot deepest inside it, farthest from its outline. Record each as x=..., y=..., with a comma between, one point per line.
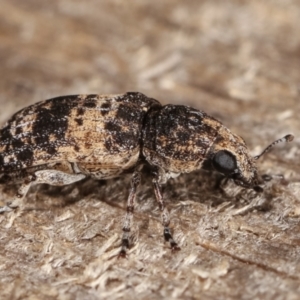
x=5, y=208
x=169, y=238
x=122, y=254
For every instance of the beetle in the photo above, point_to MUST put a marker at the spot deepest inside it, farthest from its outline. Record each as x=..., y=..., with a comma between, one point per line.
x=66, y=139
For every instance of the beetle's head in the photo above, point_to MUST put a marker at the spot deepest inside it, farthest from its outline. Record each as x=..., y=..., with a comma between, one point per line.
x=229, y=155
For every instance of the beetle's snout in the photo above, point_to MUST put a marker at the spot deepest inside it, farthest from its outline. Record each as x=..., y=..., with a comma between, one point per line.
x=249, y=182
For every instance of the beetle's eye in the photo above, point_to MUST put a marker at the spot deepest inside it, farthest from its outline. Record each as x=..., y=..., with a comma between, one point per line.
x=224, y=162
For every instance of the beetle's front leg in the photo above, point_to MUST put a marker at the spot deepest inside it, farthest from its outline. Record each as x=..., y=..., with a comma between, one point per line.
x=164, y=212
x=135, y=181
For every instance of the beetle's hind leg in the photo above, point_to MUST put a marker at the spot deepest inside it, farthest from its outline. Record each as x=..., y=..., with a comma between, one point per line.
x=52, y=177
x=20, y=195
x=135, y=181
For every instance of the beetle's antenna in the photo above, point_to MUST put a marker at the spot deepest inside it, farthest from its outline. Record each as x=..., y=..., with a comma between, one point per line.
x=287, y=138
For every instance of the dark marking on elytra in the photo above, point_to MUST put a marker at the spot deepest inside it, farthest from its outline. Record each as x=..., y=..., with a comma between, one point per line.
x=126, y=113
x=19, y=130
x=53, y=120
x=5, y=134
x=105, y=108
x=25, y=155
x=126, y=140
x=79, y=121
x=76, y=148
x=51, y=149
x=42, y=139
x=17, y=143
x=91, y=97
x=92, y=103
x=88, y=145
x=112, y=127
x=132, y=97
x=80, y=111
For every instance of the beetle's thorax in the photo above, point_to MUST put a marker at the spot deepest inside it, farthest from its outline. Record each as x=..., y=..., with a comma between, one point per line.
x=177, y=138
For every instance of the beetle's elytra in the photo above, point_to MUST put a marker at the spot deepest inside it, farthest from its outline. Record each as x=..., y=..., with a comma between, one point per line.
x=62, y=140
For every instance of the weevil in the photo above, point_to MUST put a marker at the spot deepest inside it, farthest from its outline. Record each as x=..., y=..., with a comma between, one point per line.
x=66, y=139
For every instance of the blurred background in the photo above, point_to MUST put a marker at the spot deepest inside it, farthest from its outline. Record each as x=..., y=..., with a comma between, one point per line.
x=237, y=60
x=233, y=59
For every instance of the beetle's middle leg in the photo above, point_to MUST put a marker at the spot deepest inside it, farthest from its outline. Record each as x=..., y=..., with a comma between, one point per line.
x=164, y=212
x=48, y=176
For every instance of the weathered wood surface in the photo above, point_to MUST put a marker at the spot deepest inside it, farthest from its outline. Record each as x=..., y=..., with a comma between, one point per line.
x=238, y=61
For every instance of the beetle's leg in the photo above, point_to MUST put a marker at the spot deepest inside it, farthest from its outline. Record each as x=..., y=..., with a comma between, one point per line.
x=52, y=177
x=58, y=178
x=164, y=214
x=22, y=191
x=135, y=181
